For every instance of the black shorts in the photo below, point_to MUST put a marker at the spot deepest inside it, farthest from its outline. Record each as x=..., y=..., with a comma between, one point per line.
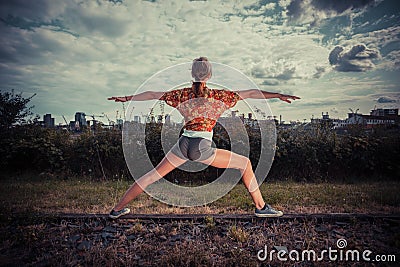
x=193, y=148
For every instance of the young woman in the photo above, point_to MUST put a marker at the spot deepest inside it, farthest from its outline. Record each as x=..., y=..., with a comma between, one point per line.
x=201, y=107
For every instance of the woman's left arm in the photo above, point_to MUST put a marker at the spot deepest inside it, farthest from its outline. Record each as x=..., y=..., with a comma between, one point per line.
x=260, y=94
x=149, y=95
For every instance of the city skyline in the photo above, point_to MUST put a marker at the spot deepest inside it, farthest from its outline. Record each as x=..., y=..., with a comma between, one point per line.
x=73, y=55
x=380, y=115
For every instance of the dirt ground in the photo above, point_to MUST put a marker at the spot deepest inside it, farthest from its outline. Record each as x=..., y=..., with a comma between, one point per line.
x=32, y=240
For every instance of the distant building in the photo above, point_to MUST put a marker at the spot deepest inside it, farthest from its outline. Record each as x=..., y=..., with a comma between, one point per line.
x=79, y=123
x=324, y=120
x=377, y=117
x=385, y=112
x=339, y=123
x=80, y=117
x=168, y=119
x=120, y=122
x=159, y=118
x=246, y=121
x=72, y=125
x=136, y=119
x=250, y=121
x=48, y=121
x=334, y=123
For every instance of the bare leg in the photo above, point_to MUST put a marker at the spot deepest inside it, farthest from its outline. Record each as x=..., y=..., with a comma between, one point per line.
x=166, y=165
x=227, y=159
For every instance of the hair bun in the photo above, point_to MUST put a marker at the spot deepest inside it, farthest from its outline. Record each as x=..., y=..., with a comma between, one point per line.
x=201, y=69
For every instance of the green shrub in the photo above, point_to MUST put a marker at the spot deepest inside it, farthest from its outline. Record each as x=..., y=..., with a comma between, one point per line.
x=302, y=154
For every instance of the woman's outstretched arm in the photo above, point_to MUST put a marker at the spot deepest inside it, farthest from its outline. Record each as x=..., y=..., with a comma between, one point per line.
x=148, y=95
x=259, y=94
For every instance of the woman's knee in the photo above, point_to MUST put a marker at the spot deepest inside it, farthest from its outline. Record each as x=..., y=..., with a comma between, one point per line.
x=242, y=162
x=149, y=178
x=248, y=163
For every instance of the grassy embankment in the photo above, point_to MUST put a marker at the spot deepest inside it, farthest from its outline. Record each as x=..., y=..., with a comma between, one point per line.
x=43, y=194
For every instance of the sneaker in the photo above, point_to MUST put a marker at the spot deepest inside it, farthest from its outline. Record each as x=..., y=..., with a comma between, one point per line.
x=268, y=211
x=116, y=214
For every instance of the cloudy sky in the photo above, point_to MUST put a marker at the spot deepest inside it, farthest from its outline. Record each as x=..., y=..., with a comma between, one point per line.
x=335, y=55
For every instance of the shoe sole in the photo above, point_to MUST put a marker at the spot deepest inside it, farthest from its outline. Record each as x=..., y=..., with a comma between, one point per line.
x=117, y=216
x=268, y=215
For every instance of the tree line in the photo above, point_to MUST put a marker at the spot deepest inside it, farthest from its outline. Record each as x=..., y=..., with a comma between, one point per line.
x=302, y=154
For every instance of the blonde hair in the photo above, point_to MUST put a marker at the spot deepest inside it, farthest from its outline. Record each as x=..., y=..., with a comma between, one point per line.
x=201, y=69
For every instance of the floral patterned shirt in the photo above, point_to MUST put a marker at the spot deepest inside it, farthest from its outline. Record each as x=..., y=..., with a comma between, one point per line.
x=201, y=113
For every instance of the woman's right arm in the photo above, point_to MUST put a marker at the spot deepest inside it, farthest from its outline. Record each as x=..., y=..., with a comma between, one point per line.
x=148, y=95
x=259, y=94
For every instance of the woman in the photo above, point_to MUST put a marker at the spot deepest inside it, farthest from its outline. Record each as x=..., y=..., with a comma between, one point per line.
x=201, y=107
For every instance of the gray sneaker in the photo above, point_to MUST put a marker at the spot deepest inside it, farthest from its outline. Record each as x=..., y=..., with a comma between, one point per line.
x=116, y=214
x=268, y=211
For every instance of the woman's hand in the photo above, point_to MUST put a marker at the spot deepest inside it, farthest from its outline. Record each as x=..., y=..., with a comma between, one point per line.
x=287, y=98
x=120, y=98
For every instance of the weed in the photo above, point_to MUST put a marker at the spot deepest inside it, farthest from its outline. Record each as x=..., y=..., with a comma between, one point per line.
x=210, y=222
x=238, y=233
x=137, y=228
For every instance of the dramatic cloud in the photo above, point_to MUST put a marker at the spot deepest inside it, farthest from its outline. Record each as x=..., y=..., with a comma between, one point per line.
x=313, y=11
x=358, y=58
x=74, y=54
x=340, y=6
x=334, y=111
x=270, y=82
x=385, y=99
x=392, y=61
x=30, y=11
x=280, y=70
x=380, y=38
x=319, y=71
x=386, y=40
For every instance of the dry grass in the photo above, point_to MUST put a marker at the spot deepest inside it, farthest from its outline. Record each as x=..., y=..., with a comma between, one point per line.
x=99, y=242
x=39, y=241
x=49, y=194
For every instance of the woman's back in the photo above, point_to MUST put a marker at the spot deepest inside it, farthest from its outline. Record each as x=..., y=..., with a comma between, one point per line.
x=201, y=112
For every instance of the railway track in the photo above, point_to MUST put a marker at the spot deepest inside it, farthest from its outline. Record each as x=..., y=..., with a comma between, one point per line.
x=234, y=217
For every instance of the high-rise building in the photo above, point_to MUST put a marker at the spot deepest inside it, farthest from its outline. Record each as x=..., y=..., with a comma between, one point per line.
x=48, y=121
x=80, y=117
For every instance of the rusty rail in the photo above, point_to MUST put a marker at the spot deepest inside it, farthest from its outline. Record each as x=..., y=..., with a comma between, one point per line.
x=236, y=217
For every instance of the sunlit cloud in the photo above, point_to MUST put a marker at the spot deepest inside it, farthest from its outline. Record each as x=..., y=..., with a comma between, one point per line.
x=75, y=54
x=357, y=58
x=314, y=11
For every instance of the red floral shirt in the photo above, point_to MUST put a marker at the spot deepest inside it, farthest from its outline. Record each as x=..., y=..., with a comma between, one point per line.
x=201, y=113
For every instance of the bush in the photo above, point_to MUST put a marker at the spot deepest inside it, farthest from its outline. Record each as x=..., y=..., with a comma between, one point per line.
x=319, y=153
x=302, y=154
x=31, y=147
x=91, y=154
